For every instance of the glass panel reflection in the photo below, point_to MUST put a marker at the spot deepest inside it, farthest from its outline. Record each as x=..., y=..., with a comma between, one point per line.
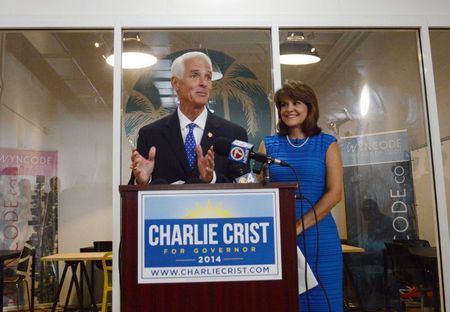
x=242, y=80
x=440, y=49
x=370, y=96
x=55, y=145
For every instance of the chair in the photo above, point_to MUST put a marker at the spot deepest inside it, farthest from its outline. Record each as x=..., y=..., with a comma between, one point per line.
x=23, y=273
x=107, y=283
x=413, y=242
x=407, y=270
x=100, y=246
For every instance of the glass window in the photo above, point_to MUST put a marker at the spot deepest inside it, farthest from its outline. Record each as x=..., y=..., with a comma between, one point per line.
x=370, y=93
x=440, y=49
x=55, y=144
x=241, y=58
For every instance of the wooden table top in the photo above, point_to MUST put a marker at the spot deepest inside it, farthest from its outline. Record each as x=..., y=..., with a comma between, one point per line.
x=351, y=249
x=75, y=256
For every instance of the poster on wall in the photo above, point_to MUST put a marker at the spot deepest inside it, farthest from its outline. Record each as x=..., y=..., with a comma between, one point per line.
x=28, y=212
x=379, y=202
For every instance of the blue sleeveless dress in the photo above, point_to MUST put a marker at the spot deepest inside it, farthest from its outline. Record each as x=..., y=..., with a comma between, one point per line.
x=323, y=247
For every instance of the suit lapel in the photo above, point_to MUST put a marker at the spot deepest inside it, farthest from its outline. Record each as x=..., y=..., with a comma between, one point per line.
x=175, y=141
x=209, y=133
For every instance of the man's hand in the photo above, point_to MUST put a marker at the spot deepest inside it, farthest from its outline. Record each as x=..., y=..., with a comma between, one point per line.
x=143, y=168
x=205, y=164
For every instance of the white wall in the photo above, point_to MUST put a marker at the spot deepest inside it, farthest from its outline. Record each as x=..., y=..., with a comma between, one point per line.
x=216, y=7
x=31, y=118
x=207, y=13
x=426, y=213
x=85, y=158
x=424, y=197
x=20, y=89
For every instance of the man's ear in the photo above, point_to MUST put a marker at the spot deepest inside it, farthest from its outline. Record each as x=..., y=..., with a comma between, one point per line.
x=174, y=81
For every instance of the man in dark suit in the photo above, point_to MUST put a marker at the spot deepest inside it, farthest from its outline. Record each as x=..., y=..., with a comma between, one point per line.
x=178, y=148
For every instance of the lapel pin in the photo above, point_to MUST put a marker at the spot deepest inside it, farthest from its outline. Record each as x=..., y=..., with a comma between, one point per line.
x=210, y=135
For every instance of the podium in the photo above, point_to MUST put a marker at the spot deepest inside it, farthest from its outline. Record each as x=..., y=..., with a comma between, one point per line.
x=258, y=296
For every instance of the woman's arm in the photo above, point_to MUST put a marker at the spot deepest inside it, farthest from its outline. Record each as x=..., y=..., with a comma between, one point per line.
x=333, y=192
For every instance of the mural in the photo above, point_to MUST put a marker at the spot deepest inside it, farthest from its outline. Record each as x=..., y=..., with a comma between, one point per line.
x=238, y=96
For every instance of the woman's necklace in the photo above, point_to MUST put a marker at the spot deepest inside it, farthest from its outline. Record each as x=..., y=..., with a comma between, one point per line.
x=296, y=146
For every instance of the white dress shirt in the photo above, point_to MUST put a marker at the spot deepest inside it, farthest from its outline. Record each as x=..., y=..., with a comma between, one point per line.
x=200, y=123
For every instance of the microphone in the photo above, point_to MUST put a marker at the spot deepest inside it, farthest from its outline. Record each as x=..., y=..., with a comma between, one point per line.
x=241, y=152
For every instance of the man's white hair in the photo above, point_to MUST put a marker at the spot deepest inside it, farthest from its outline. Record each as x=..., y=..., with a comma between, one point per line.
x=178, y=65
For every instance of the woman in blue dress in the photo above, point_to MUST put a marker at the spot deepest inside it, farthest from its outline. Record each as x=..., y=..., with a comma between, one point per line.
x=315, y=157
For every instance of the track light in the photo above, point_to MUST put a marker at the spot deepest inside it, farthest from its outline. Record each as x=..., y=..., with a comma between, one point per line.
x=135, y=54
x=216, y=72
x=296, y=51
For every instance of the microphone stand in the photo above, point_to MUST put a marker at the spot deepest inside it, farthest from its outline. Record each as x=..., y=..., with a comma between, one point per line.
x=265, y=173
x=262, y=168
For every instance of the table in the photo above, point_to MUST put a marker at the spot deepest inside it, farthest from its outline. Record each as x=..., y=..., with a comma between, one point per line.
x=72, y=261
x=5, y=255
x=92, y=264
x=351, y=249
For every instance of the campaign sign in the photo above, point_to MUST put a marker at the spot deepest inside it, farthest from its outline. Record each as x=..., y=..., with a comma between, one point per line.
x=208, y=236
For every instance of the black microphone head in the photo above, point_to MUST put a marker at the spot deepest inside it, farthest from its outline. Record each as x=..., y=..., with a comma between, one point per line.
x=222, y=146
x=258, y=157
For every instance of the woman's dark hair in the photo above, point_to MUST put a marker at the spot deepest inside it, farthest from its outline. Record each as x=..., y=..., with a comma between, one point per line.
x=298, y=91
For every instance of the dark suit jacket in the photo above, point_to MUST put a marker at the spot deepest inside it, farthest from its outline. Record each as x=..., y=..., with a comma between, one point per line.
x=171, y=163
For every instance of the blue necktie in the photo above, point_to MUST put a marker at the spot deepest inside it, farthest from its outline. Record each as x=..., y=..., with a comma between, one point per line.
x=189, y=146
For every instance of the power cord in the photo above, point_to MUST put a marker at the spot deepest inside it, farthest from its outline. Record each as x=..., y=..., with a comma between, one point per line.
x=305, y=252
x=300, y=197
x=317, y=255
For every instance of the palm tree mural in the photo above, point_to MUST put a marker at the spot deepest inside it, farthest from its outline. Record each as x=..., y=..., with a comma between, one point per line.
x=140, y=112
x=238, y=97
x=237, y=82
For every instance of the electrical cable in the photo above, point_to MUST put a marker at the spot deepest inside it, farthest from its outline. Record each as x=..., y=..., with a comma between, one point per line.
x=307, y=294
x=300, y=197
x=317, y=255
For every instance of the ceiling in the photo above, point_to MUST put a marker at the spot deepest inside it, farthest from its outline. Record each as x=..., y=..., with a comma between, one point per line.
x=74, y=70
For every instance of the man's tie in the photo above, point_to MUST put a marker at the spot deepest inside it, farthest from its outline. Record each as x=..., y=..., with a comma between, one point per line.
x=189, y=146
